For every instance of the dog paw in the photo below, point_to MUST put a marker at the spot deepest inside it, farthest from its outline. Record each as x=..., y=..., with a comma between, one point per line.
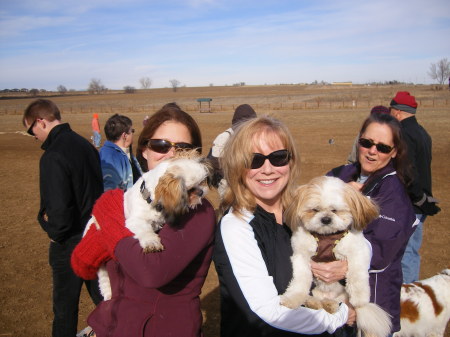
x=289, y=302
x=330, y=306
x=151, y=244
x=313, y=303
x=153, y=249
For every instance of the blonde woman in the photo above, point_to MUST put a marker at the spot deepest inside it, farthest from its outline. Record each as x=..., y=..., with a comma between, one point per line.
x=252, y=252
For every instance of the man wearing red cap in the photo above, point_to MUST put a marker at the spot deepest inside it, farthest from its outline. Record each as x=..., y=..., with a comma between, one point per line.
x=403, y=107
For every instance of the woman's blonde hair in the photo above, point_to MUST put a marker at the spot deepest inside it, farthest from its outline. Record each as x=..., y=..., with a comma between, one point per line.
x=238, y=155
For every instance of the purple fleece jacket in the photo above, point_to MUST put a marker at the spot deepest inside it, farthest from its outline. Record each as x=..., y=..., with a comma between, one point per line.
x=388, y=235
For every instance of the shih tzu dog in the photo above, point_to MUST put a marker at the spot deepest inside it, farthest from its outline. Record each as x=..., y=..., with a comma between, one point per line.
x=157, y=198
x=425, y=306
x=327, y=219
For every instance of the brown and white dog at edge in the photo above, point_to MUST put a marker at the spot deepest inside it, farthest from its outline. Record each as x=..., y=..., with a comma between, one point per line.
x=425, y=306
x=158, y=198
x=328, y=209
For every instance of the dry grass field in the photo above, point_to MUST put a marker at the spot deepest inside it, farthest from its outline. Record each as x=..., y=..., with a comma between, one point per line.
x=314, y=115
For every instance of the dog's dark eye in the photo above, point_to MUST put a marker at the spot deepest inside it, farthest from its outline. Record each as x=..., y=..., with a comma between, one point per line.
x=315, y=210
x=333, y=210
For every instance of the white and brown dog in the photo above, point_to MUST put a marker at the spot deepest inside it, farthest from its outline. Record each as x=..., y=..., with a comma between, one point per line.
x=158, y=197
x=327, y=220
x=425, y=307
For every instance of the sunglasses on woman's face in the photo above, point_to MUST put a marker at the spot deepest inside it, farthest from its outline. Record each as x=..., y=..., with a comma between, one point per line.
x=163, y=146
x=383, y=148
x=277, y=158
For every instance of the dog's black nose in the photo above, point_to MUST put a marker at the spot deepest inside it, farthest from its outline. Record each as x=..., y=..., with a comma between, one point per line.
x=326, y=220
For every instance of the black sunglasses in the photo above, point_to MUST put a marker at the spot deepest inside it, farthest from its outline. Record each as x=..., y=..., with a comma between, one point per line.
x=276, y=158
x=367, y=143
x=164, y=146
x=30, y=129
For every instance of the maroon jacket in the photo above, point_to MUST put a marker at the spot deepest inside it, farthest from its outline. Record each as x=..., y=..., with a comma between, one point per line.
x=157, y=294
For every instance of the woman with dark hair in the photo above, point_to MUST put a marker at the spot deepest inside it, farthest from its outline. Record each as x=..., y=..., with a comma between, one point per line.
x=169, y=123
x=380, y=173
x=155, y=294
x=120, y=168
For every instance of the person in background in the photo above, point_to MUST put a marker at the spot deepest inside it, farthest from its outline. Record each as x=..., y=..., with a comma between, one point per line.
x=155, y=294
x=96, y=137
x=242, y=113
x=380, y=173
x=353, y=156
x=145, y=120
x=70, y=181
x=403, y=108
x=252, y=249
x=119, y=167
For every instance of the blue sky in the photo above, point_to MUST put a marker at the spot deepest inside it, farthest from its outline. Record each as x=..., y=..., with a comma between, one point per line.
x=47, y=43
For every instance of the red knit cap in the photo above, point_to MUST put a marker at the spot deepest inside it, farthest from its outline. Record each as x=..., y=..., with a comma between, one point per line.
x=404, y=101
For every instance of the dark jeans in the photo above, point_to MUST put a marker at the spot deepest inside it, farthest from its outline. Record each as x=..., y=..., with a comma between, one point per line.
x=67, y=288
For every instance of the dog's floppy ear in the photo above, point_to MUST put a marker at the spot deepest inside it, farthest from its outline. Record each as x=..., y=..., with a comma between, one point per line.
x=292, y=214
x=363, y=209
x=171, y=194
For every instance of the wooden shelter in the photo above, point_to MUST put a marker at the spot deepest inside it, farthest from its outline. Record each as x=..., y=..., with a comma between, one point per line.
x=202, y=100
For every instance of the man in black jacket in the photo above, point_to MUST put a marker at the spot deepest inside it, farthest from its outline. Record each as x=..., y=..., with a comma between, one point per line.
x=403, y=107
x=70, y=183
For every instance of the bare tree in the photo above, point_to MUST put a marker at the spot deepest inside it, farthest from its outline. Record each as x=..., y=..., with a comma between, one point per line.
x=440, y=71
x=145, y=82
x=61, y=89
x=175, y=84
x=129, y=89
x=96, y=86
x=34, y=92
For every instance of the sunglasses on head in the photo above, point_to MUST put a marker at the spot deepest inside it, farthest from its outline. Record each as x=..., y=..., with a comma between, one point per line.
x=276, y=158
x=367, y=143
x=164, y=146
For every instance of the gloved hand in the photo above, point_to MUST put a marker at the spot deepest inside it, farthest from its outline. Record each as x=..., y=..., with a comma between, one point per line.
x=89, y=255
x=109, y=213
x=430, y=208
x=428, y=205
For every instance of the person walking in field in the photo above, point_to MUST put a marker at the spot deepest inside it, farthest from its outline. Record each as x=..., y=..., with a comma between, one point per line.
x=120, y=167
x=70, y=182
x=403, y=107
x=97, y=137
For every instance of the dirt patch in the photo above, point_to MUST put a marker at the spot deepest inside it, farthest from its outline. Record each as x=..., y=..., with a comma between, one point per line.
x=25, y=280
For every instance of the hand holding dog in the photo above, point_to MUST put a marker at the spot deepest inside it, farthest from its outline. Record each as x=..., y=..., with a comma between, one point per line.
x=355, y=185
x=331, y=271
x=351, y=314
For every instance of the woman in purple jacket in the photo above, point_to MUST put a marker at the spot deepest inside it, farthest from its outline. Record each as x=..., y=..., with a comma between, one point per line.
x=155, y=294
x=381, y=173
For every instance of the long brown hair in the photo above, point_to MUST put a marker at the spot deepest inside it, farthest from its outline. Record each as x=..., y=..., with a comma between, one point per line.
x=169, y=112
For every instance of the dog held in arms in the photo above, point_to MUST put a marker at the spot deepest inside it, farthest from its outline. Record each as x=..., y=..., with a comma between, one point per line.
x=157, y=198
x=327, y=220
x=425, y=306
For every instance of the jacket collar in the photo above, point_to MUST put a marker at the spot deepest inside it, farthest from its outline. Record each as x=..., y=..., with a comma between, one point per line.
x=54, y=133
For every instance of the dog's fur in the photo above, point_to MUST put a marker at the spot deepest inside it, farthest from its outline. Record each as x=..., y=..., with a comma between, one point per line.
x=159, y=197
x=327, y=205
x=425, y=307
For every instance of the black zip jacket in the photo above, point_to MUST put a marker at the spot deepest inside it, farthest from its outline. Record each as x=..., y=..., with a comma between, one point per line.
x=70, y=183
